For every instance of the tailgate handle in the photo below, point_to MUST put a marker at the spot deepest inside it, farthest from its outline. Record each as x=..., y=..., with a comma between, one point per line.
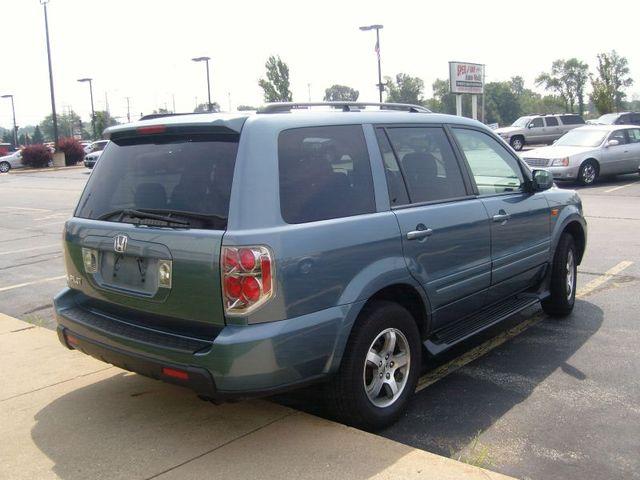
x=420, y=233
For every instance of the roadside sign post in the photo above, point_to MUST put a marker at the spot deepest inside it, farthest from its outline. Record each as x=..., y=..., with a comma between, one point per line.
x=465, y=77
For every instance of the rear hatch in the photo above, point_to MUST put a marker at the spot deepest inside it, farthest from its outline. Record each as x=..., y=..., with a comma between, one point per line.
x=146, y=235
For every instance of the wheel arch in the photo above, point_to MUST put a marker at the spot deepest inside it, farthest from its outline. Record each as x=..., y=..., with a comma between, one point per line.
x=591, y=159
x=579, y=235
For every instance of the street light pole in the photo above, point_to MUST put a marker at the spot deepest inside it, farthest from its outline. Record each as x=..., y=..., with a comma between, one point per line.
x=206, y=60
x=93, y=112
x=377, y=28
x=15, y=127
x=53, y=98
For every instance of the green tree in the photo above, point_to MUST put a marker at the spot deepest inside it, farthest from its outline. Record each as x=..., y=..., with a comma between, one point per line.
x=7, y=137
x=103, y=121
x=405, y=89
x=337, y=93
x=37, y=136
x=443, y=101
x=613, y=77
x=202, y=107
x=576, y=76
x=501, y=103
x=68, y=123
x=276, y=85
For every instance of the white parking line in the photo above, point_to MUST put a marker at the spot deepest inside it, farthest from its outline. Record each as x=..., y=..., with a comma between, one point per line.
x=41, y=247
x=477, y=352
x=35, y=282
x=618, y=188
x=53, y=215
x=28, y=208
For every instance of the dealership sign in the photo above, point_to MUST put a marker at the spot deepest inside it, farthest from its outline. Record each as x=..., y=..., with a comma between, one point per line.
x=466, y=77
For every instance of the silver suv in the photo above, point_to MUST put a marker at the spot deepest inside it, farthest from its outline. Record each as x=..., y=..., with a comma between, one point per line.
x=538, y=129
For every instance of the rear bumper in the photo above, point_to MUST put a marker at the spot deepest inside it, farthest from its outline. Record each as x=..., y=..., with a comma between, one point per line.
x=241, y=361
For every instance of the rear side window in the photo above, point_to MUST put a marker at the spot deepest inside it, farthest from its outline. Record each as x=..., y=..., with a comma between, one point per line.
x=324, y=173
x=635, y=118
x=428, y=164
x=163, y=174
x=572, y=120
x=634, y=135
x=551, y=121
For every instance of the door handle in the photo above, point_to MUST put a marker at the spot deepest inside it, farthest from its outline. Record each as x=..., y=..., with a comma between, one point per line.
x=501, y=217
x=419, y=234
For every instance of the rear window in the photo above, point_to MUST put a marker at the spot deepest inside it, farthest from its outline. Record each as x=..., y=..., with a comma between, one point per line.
x=164, y=174
x=324, y=173
x=572, y=120
x=551, y=121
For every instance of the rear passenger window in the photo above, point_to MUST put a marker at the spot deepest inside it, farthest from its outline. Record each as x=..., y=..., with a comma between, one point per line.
x=324, y=173
x=427, y=162
x=552, y=121
x=634, y=135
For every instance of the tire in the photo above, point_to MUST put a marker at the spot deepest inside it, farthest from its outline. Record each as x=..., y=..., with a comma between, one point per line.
x=517, y=143
x=5, y=167
x=348, y=395
x=563, y=279
x=588, y=173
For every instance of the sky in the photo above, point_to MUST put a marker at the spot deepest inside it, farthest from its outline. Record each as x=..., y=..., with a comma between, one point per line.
x=142, y=49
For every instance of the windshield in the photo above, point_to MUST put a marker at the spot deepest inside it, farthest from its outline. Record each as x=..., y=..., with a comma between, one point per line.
x=521, y=122
x=98, y=146
x=608, y=119
x=167, y=173
x=582, y=138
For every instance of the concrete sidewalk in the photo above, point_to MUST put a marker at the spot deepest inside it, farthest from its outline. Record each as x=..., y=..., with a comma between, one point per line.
x=65, y=415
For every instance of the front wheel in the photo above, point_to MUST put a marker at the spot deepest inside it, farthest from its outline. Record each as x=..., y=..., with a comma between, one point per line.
x=380, y=368
x=5, y=167
x=564, y=272
x=588, y=173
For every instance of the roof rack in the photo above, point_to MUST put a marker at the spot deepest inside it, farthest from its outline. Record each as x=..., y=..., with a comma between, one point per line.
x=283, y=107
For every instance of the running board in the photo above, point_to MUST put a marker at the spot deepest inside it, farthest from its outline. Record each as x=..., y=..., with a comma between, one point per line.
x=451, y=335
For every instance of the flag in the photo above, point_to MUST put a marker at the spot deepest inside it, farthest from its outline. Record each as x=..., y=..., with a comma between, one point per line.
x=377, y=49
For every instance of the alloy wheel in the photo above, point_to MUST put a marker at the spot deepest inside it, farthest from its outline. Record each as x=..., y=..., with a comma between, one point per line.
x=386, y=368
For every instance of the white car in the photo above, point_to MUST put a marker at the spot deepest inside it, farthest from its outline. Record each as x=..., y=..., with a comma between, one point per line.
x=585, y=153
x=97, y=146
x=13, y=160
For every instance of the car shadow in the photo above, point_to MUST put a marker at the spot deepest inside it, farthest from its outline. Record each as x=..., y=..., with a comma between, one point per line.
x=610, y=180
x=447, y=415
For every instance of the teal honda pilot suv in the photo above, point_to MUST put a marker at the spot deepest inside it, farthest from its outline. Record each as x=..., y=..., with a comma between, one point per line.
x=340, y=243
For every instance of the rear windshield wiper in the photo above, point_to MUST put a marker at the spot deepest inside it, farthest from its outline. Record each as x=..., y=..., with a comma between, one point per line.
x=184, y=213
x=128, y=212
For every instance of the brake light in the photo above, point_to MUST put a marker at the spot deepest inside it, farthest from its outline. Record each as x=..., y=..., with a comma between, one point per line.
x=151, y=129
x=247, y=278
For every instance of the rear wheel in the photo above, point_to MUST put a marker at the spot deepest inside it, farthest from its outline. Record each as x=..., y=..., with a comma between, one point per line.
x=5, y=167
x=588, y=173
x=380, y=368
x=517, y=143
x=563, y=279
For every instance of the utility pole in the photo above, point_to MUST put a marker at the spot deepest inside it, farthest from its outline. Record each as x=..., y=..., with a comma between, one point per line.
x=377, y=28
x=173, y=101
x=128, y=110
x=206, y=60
x=15, y=127
x=309, y=90
x=93, y=112
x=53, y=98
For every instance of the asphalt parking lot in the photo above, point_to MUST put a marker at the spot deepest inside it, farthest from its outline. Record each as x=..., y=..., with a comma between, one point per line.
x=536, y=398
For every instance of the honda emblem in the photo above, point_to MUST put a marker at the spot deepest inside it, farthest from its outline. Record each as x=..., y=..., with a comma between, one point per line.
x=120, y=243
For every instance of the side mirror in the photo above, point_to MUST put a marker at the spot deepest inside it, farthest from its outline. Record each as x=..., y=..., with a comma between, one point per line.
x=542, y=180
x=530, y=125
x=613, y=143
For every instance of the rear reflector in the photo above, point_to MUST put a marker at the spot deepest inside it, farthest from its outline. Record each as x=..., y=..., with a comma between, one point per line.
x=172, y=372
x=71, y=340
x=151, y=129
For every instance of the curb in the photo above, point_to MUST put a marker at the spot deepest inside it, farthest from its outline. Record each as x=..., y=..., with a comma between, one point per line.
x=39, y=170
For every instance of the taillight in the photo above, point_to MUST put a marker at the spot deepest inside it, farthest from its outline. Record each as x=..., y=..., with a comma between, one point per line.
x=247, y=278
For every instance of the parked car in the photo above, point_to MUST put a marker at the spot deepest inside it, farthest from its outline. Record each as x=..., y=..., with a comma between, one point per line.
x=538, y=129
x=245, y=254
x=90, y=159
x=588, y=152
x=13, y=160
x=6, y=149
x=619, y=118
x=96, y=146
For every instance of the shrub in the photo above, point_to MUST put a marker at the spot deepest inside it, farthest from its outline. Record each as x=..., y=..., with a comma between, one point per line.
x=36, y=156
x=73, y=151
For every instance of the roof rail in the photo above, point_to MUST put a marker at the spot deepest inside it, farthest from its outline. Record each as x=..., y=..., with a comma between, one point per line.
x=283, y=107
